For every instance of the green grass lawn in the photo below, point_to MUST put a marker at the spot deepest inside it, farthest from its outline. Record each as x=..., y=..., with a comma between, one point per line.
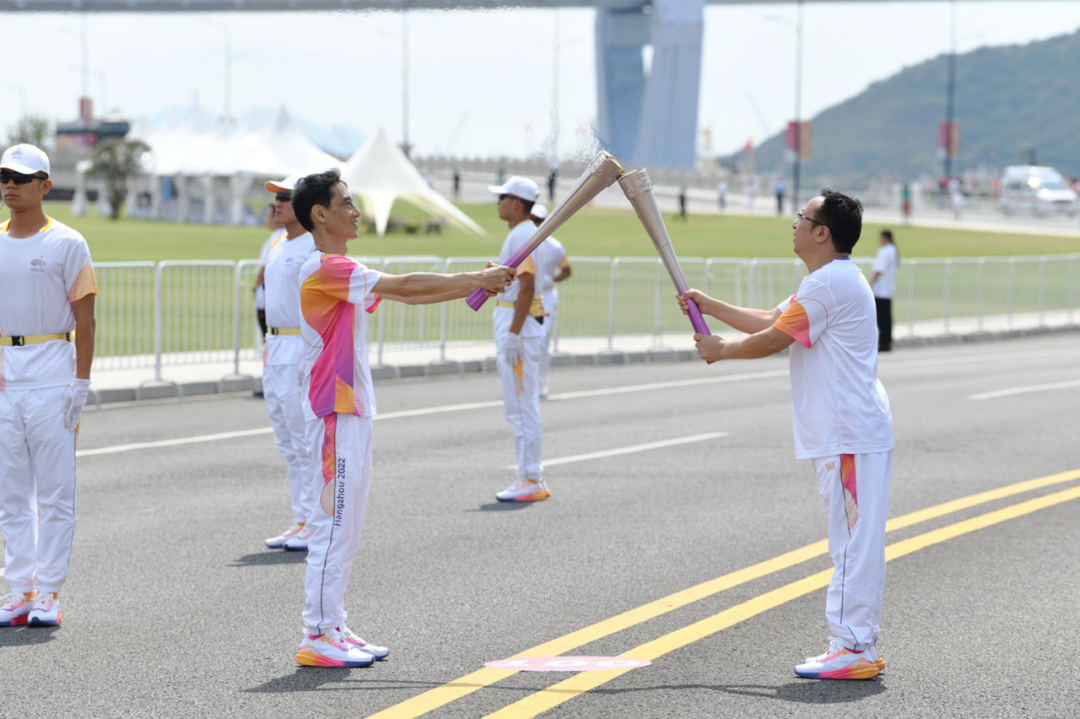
x=591, y=233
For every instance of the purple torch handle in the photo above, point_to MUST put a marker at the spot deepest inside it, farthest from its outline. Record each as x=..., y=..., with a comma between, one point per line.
x=478, y=297
x=696, y=319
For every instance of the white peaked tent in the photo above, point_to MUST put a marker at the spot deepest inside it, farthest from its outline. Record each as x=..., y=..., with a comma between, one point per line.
x=379, y=173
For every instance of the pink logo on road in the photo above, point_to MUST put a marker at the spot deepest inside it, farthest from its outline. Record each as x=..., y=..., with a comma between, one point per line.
x=567, y=664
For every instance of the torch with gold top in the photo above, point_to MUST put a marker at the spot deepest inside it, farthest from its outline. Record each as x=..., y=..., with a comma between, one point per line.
x=638, y=188
x=600, y=175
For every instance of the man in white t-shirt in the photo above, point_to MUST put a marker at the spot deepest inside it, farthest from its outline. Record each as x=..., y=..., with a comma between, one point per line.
x=841, y=414
x=47, y=289
x=556, y=269
x=519, y=338
x=281, y=359
x=339, y=401
x=884, y=284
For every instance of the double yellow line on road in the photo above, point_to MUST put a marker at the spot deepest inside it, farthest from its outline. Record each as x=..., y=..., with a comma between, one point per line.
x=545, y=699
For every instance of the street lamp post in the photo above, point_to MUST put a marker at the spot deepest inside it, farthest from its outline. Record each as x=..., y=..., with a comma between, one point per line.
x=406, y=147
x=798, y=103
x=950, y=93
x=228, y=66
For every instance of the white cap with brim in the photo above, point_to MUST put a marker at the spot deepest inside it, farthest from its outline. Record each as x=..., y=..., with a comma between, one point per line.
x=286, y=185
x=538, y=211
x=520, y=187
x=25, y=159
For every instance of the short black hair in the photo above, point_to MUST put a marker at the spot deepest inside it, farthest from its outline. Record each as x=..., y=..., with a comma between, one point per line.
x=317, y=189
x=888, y=234
x=525, y=204
x=843, y=216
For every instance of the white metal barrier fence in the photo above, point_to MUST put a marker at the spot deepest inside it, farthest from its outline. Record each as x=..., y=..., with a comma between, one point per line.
x=172, y=313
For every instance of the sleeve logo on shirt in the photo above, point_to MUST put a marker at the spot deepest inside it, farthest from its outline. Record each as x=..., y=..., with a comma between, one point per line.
x=38, y=264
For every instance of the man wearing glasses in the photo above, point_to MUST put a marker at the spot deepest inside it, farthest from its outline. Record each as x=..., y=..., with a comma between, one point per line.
x=47, y=289
x=519, y=337
x=842, y=419
x=281, y=359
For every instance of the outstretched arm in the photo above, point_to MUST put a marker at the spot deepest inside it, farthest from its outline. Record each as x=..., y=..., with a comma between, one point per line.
x=767, y=342
x=425, y=287
x=743, y=319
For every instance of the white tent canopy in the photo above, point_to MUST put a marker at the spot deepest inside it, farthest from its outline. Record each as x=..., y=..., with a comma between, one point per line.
x=379, y=173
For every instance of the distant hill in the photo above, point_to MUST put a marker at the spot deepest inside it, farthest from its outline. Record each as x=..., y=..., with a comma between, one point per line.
x=1006, y=98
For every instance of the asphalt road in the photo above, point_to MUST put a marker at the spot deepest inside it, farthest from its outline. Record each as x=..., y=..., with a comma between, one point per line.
x=173, y=608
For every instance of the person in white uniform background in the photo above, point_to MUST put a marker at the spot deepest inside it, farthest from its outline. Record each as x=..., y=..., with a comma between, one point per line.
x=47, y=289
x=260, y=286
x=519, y=338
x=339, y=402
x=556, y=269
x=841, y=417
x=884, y=284
x=281, y=359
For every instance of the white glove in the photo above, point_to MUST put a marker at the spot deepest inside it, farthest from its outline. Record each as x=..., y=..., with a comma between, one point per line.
x=511, y=349
x=75, y=401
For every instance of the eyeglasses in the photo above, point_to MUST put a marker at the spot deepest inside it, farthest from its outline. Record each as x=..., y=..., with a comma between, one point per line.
x=283, y=197
x=801, y=216
x=17, y=177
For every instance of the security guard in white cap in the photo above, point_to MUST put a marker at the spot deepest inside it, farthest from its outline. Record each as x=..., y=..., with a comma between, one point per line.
x=47, y=289
x=281, y=359
x=519, y=337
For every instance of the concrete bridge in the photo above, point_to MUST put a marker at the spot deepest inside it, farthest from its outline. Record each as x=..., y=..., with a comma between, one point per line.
x=647, y=119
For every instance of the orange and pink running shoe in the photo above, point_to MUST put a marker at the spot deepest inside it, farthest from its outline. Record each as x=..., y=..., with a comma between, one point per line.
x=379, y=653
x=15, y=610
x=839, y=662
x=525, y=490
x=331, y=649
x=278, y=542
x=45, y=611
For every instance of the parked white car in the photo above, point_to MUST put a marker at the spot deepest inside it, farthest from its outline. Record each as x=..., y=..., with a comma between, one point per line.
x=1035, y=190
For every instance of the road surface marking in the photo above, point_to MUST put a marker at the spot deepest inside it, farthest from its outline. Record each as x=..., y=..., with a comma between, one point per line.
x=1024, y=390
x=630, y=450
x=435, y=698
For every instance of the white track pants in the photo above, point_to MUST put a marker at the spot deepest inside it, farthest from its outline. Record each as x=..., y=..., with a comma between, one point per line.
x=37, y=472
x=281, y=387
x=855, y=489
x=521, y=400
x=341, y=444
x=551, y=306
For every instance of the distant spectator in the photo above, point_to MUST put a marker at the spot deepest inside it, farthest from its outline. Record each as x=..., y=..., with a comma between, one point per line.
x=457, y=185
x=905, y=205
x=721, y=190
x=779, y=187
x=957, y=196
x=751, y=193
x=553, y=179
x=884, y=285
x=682, y=202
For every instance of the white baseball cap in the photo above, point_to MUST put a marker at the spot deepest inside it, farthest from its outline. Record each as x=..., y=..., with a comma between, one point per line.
x=25, y=159
x=286, y=185
x=538, y=211
x=521, y=187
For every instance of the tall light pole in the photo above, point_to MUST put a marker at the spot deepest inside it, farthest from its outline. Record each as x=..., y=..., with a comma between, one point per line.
x=228, y=67
x=556, y=52
x=406, y=147
x=950, y=93
x=798, y=102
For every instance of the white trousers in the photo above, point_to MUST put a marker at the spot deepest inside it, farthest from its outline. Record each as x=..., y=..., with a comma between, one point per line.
x=341, y=445
x=855, y=489
x=281, y=387
x=521, y=400
x=37, y=476
x=551, y=306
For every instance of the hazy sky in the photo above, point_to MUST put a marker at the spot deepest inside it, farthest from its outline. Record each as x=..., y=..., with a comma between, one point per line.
x=481, y=82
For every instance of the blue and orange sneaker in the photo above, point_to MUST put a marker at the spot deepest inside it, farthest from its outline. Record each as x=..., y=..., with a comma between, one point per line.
x=45, y=611
x=379, y=653
x=839, y=662
x=15, y=609
x=331, y=649
x=525, y=490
